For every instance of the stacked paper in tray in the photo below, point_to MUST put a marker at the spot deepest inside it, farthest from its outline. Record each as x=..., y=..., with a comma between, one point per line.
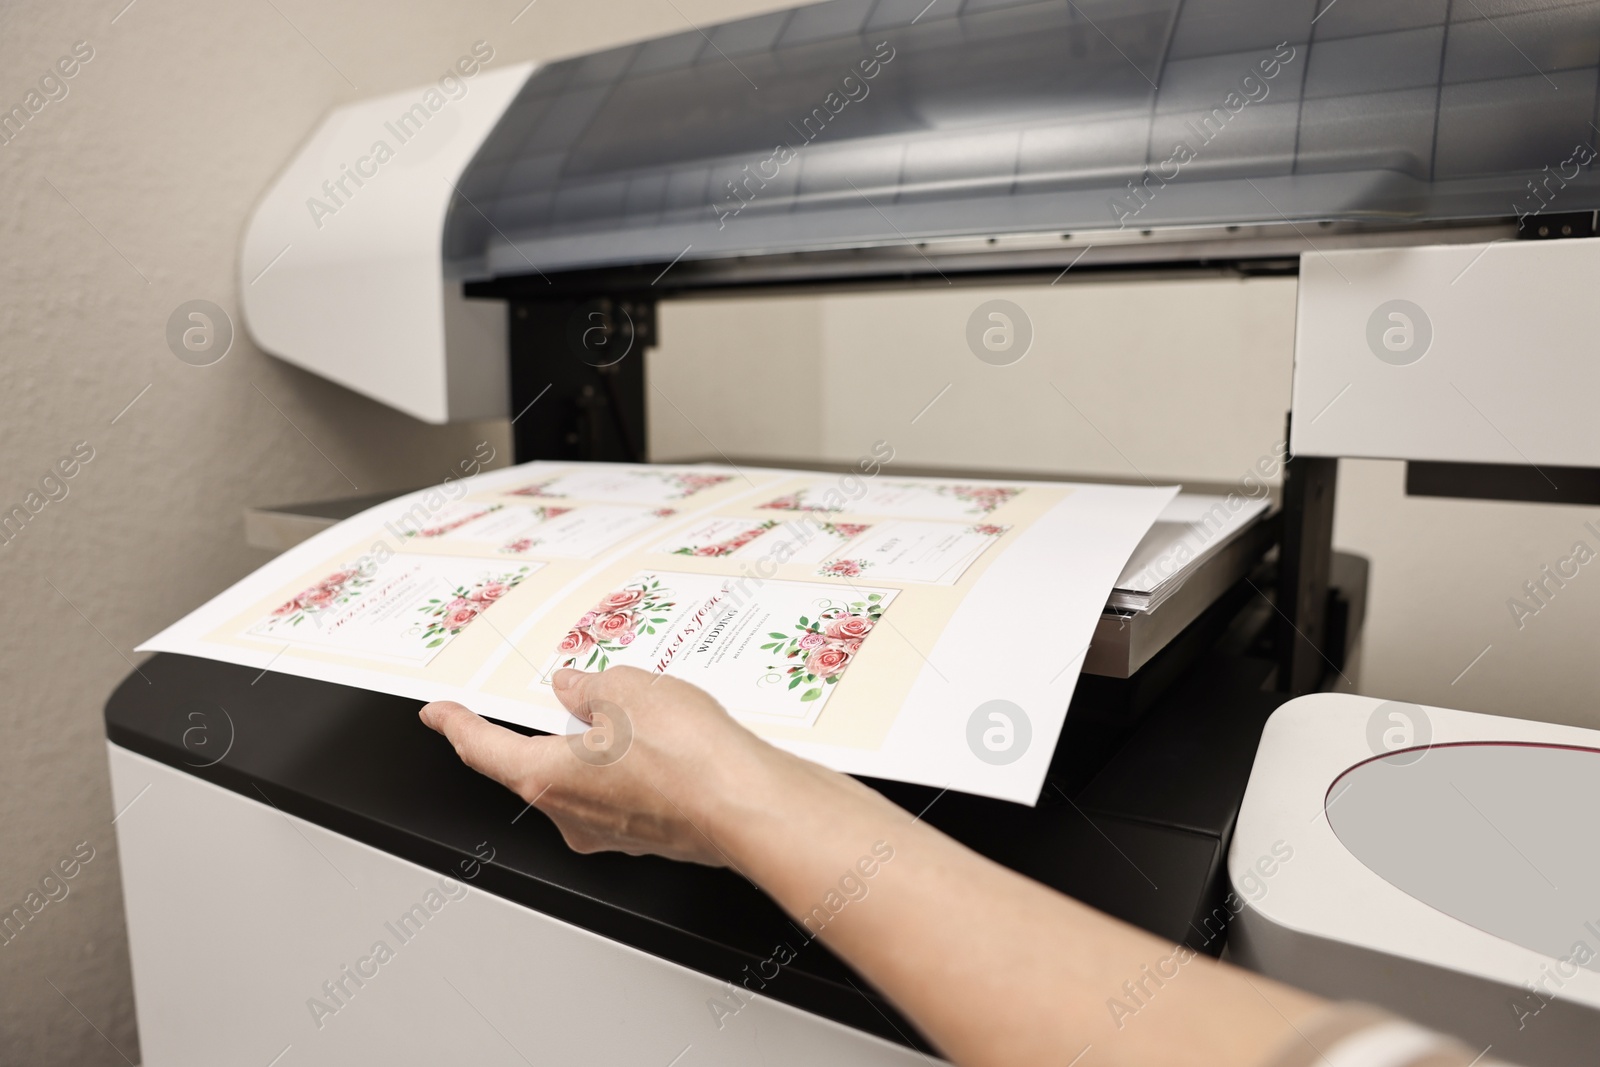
x=1188, y=532
x=927, y=630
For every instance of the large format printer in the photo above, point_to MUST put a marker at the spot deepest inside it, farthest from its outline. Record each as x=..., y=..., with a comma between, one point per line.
x=1424, y=168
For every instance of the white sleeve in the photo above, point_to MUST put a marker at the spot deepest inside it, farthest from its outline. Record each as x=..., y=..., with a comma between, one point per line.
x=1358, y=1035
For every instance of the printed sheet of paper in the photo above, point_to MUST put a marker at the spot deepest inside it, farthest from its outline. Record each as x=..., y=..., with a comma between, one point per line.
x=1187, y=530
x=863, y=621
x=776, y=653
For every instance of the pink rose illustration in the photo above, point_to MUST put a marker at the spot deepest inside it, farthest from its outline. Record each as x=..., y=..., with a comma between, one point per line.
x=811, y=640
x=489, y=592
x=612, y=627
x=287, y=608
x=710, y=550
x=984, y=497
x=460, y=603
x=689, y=484
x=521, y=544
x=848, y=628
x=847, y=568
x=626, y=638
x=458, y=618
x=827, y=661
x=586, y=621
x=315, y=598
x=576, y=643
x=620, y=600
x=851, y=646
x=536, y=489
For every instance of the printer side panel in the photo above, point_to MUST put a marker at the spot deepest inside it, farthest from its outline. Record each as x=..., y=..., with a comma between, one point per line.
x=253, y=931
x=1468, y=353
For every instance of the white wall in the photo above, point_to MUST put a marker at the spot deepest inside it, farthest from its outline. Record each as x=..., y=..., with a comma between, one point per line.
x=1166, y=379
x=118, y=202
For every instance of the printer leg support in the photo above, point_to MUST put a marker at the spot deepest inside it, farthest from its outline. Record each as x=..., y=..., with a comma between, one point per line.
x=1304, y=560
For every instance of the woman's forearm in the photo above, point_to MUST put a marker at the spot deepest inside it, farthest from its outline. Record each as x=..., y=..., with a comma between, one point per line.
x=995, y=968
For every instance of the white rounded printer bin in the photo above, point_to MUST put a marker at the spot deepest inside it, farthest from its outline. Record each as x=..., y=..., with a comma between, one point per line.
x=1442, y=864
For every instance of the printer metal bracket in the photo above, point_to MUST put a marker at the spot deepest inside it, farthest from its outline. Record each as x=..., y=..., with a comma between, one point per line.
x=577, y=376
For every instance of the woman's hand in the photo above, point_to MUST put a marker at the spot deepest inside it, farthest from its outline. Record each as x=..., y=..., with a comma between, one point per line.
x=658, y=770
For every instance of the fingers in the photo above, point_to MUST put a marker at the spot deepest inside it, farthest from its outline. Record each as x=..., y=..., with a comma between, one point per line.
x=578, y=690
x=514, y=761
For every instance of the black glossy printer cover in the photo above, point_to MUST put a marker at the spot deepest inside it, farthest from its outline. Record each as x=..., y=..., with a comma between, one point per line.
x=861, y=122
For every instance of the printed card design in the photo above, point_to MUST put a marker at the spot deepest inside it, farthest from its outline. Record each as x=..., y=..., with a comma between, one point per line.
x=716, y=538
x=775, y=651
x=406, y=608
x=581, y=532
x=812, y=540
x=621, y=485
x=573, y=532
x=804, y=539
x=912, y=500
x=446, y=520
x=612, y=625
x=934, y=553
x=814, y=652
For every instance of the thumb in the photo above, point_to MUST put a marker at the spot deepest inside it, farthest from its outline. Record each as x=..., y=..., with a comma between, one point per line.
x=579, y=690
x=521, y=764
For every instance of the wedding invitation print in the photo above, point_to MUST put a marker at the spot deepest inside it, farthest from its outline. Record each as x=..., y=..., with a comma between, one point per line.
x=936, y=553
x=407, y=608
x=805, y=539
x=912, y=500
x=775, y=651
x=579, y=531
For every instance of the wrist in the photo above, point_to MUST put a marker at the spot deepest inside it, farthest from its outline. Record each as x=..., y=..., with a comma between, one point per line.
x=755, y=789
x=778, y=814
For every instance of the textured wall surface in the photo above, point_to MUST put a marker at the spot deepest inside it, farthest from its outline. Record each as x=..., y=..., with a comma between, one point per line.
x=119, y=201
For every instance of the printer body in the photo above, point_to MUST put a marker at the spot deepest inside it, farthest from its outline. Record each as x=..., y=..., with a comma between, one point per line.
x=308, y=868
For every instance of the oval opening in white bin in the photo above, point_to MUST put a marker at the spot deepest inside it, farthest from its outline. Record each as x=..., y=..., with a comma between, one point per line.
x=1499, y=835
